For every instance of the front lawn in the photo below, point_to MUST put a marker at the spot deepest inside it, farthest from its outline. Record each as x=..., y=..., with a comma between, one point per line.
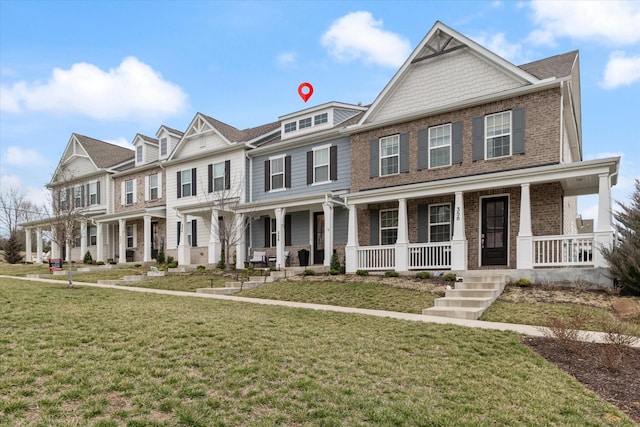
x=102, y=357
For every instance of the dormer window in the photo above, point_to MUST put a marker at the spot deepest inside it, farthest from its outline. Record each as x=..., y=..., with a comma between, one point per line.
x=289, y=127
x=320, y=119
x=305, y=123
x=163, y=147
x=139, y=154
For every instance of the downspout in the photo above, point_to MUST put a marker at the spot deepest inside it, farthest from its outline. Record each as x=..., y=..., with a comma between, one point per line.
x=562, y=159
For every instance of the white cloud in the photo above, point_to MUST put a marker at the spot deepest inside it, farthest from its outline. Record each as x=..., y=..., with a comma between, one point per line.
x=37, y=195
x=621, y=70
x=613, y=22
x=17, y=156
x=499, y=45
x=358, y=36
x=286, y=59
x=131, y=90
x=122, y=142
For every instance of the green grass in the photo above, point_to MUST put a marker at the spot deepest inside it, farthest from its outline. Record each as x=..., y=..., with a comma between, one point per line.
x=104, y=357
x=360, y=295
x=187, y=282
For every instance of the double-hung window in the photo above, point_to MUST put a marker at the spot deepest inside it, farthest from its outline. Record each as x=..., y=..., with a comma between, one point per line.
x=498, y=134
x=163, y=147
x=277, y=173
x=77, y=197
x=388, y=226
x=153, y=186
x=321, y=165
x=64, y=203
x=93, y=193
x=389, y=155
x=305, y=123
x=130, y=236
x=289, y=127
x=93, y=235
x=185, y=179
x=139, y=154
x=274, y=233
x=128, y=185
x=440, y=146
x=440, y=223
x=218, y=176
x=320, y=119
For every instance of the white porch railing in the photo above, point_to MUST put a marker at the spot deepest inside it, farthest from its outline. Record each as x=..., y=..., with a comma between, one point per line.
x=376, y=257
x=559, y=251
x=430, y=255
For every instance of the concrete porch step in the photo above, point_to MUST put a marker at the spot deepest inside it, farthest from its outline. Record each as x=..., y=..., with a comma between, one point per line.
x=465, y=302
x=471, y=313
x=245, y=285
x=218, y=291
x=473, y=293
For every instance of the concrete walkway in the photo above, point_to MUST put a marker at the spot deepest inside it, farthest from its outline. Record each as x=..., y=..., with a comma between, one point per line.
x=529, y=330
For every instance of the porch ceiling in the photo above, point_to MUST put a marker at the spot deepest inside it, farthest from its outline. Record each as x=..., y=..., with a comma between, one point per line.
x=157, y=212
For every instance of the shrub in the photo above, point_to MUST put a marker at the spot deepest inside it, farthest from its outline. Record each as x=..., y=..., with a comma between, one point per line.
x=170, y=260
x=449, y=277
x=99, y=262
x=391, y=273
x=567, y=330
x=221, y=265
x=619, y=338
x=160, y=256
x=172, y=264
x=423, y=275
x=308, y=272
x=137, y=265
x=88, y=259
x=12, y=250
x=334, y=272
x=362, y=273
x=112, y=262
x=335, y=263
x=522, y=282
x=201, y=268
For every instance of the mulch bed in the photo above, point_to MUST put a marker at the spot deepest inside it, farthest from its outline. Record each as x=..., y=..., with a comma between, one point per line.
x=618, y=384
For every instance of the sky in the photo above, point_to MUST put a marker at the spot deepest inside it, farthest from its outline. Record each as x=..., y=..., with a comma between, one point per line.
x=112, y=69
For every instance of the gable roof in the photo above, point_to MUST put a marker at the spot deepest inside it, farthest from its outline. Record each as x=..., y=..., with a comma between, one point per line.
x=233, y=134
x=146, y=139
x=104, y=154
x=555, y=66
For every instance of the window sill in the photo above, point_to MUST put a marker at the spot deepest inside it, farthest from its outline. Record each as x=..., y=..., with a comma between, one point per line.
x=321, y=183
x=278, y=190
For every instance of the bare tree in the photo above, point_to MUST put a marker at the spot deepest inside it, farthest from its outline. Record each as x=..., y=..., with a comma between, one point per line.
x=15, y=208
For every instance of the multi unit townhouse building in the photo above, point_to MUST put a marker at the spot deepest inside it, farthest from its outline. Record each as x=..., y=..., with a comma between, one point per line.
x=464, y=161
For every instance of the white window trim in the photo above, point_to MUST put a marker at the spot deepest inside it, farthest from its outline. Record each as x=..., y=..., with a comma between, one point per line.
x=183, y=183
x=134, y=236
x=293, y=124
x=429, y=223
x=95, y=230
x=486, y=137
x=318, y=115
x=273, y=235
x=271, y=174
x=166, y=147
x=214, y=176
x=305, y=119
x=328, y=180
x=380, y=157
x=380, y=228
x=77, y=195
x=439, y=147
x=95, y=185
x=149, y=187
x=141, y=160
x=133, y=192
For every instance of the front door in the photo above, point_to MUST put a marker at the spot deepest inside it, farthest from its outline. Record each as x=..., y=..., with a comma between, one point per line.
x=154, y=240
x=318, y=237
x=494, y=230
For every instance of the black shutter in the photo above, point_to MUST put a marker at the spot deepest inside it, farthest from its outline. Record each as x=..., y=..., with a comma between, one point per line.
x=287, y=230
x=194, y=233
x=267, y=232
x=87, y=193
x=179, y=224
x=179, y=181
x=333, y=163
x=423, y=149
x=456, y=143
x=423, y=223
x=374, y=228
x=227, y=174
x=404, y=152
x=193, y=181
x=98, y=192
x=267, y=175
x=69, y=199
x=374, y=158
x=309, y=167
x=287, y=172
x=518, y=130
x=478, y=139
x=210, y=178
x=82, y=204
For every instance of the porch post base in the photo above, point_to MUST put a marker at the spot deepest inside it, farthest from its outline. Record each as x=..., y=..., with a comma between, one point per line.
x=525, y=253
x=458, y=255
x=601, y=239
x=351, y=259
x=184, y=255
x=215, y=249
x=402, y=261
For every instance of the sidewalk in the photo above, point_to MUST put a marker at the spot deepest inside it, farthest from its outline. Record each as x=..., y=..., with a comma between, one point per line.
x=529, y=330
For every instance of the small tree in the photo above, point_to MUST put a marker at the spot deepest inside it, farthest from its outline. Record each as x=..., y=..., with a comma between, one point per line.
x=624, y=256
x=12, y=250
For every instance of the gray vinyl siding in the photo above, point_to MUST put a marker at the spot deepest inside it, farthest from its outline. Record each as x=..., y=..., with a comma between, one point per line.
x=299, y=185
x=340, y=116
x=340, y=225
x=299, y=228
x=257, y=233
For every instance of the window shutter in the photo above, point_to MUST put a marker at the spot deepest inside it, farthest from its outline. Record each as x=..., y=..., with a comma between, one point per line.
x=333, y=163
x=123, y=196
x=159, y=185
x=178, y=241
x=194, y=233
x=146, y=188
x=193, y=182
x=267, y=232
x=423, y=149
x=423, y=223
x=374, y=158
x=287, y=230
x=478, y=139
x=227, y=174
x=309, y=167
x=135, y=233
x=374, y=228
x=98, y=192
x=210, y=179
x=179, y=181
x=456, y=143
x=135, y=190
x=404, y=152
x=517, y=115
x=87, y=196
x=287, y=172
x=267, y=175
x=82, y=201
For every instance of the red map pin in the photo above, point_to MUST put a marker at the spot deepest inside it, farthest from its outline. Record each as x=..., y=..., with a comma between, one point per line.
x=305, y=96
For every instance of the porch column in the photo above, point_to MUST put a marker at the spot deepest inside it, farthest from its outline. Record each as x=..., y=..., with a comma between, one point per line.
x=122, y=232
x=184, y=250
x=214, y=238
x=55, y=246
x=328, y=232
x=27, y=245
x=146, y=255
x=241, y=245
x=351, y=250
x=603, y=236
x=39, y=245
x=83, y=238
x=99, y=242
x=402, y=241
x=459, y=240
x=280, y=212
x=525, y=237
